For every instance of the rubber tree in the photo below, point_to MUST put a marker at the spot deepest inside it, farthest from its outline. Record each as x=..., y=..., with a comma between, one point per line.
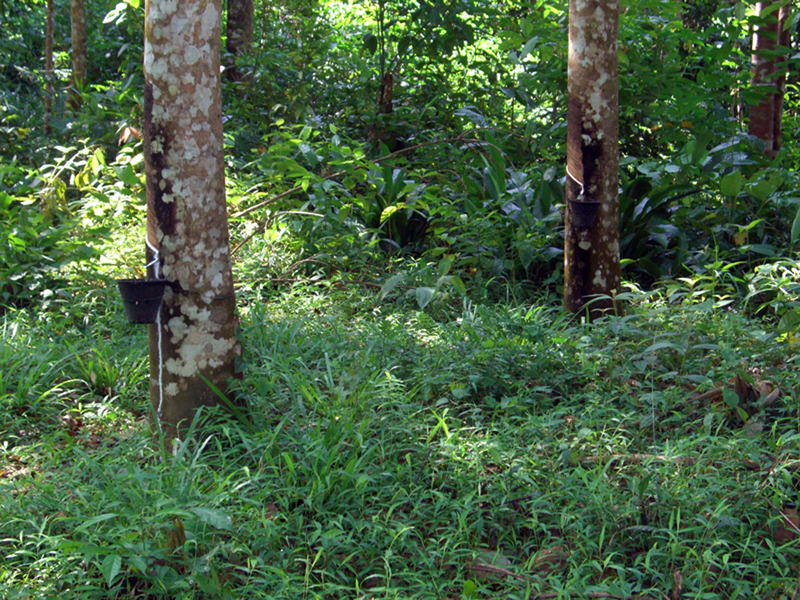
x=591, y=257
x=240, y=34
x=771, y=39
x=193, y=343
x=77, y=13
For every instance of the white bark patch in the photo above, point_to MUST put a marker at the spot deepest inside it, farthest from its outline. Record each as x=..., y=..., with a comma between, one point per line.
x=196, y=313
x=178, y=27
x=209, y=21
x=613, y=248
x=191, y=55
x=578, y=45
x=177, y=326
x=199, y=351
x=599, y=15
x=599, y=279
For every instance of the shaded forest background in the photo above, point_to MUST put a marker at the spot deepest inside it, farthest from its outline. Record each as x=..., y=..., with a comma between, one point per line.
x=470, y=98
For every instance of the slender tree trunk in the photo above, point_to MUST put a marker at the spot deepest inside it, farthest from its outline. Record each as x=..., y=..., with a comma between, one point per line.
x=762, y=68
x=784, y=41
x=240, y=25
x=48, y=67
x=77, y=13
x=193, y=342
x=385, y=106
x=591, y=257
x=768, y=77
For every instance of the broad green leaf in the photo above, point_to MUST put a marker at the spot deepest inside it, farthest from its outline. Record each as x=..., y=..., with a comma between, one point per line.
x=213, y=516
x=110, y=567
x=6, y=200
x=391, y=283
x=459, y=393
x=659, y=345
x=138, y=563
x=424, y=295
x=732, y=184
x=445, y=264
x=370, y=43
x=789, y=322
x=476, y=118
x=528, y=48
x=796, y=226
x=458, y=284
x=128, y=176
x=492, y=186
x=765, y=186
x=762, y=249
x=97, y=161
x=730, y=398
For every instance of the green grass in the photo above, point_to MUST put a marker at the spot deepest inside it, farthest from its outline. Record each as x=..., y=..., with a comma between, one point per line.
x=393, y=453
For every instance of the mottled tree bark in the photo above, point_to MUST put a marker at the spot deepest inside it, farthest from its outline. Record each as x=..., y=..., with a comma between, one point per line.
x=591, y=256
x=48, y=66
x=766, y=118
x=240, y=26
x=77, y=13
x=187, y=227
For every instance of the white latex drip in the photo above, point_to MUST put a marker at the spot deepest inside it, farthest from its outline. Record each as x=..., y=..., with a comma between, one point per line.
x=575, y=179
x=155, y=264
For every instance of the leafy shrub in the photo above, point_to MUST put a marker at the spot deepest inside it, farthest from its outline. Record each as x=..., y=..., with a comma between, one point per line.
x=39, y=242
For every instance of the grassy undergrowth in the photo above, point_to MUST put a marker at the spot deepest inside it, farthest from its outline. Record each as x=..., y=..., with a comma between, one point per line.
x=465, y=452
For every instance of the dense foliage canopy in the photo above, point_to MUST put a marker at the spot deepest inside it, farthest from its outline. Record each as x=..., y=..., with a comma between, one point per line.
x=475, y=119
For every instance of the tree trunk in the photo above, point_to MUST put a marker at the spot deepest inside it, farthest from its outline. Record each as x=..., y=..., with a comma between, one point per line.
x=766, y=118
x=77, y=13
x=240, y=25
x=784, y=41
x=591, y=246
x=377, y=133
x=187, y=241
x=48, y=67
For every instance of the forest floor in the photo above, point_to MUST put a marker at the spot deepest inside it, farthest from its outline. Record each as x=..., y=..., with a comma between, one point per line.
x=466, y=451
